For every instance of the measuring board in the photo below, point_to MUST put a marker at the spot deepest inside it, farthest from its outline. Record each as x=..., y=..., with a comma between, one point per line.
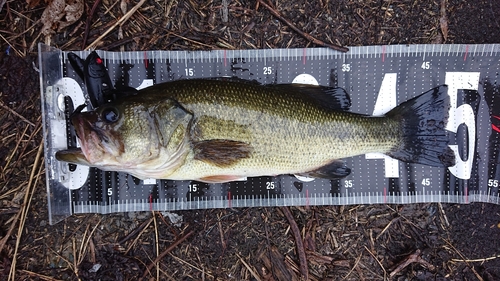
x=377, y=79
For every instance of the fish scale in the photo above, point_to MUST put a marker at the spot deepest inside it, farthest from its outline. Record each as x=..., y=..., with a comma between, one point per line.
x=376, y=77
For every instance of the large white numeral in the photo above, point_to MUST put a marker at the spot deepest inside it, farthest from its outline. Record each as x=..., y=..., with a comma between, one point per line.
x=305, y=78
x=462, y=115
x=386, y=100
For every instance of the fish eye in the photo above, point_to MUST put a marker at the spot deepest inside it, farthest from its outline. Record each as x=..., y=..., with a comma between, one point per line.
x=110, y=114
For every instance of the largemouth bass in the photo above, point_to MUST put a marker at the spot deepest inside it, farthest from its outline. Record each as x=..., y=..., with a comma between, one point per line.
x=222, y=130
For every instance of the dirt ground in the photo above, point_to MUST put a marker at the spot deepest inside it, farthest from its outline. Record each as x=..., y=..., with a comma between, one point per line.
x=361, y=242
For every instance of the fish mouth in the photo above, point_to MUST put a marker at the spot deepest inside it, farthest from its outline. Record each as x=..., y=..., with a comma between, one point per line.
x=89, y=137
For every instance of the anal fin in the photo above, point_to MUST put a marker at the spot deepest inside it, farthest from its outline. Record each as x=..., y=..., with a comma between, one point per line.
x=333, y=171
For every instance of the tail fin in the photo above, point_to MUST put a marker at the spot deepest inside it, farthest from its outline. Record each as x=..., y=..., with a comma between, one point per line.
x=423, y=122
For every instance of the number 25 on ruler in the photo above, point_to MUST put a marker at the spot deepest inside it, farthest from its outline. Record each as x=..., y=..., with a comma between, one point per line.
x=462, y=114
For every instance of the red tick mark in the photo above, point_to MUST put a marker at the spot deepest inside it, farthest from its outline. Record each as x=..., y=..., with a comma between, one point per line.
x=494, y=127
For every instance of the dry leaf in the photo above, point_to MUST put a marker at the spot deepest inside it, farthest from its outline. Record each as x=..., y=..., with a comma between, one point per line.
x=73, y=11
x=124, y=6
x=59, y=14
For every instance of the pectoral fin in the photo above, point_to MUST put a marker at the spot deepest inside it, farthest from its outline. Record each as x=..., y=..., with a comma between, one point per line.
x=221, y=179
x=333, y=171
x=221, y=153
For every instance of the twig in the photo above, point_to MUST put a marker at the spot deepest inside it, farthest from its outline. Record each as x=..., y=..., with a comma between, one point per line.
x=221, y=234
x=138, y=229
x=119, y=22
x=268, y=248
x=124, y=41
x=141, y=230
x=43, y=277
x=353, y=267
x=59, y=255
x=302, y=33
x=415, y=257
x=13, y=48
x=86, y=241
x=386, y=227
x=9, y=232
x=22, y=153
x=443, y=20
x=26, y=205
x=92, y=251
x=192, y=266
x=75, y=266
x=16, y=114
x=477, y=260
x=162, y=255
x=157, y=245
x=87, y=23
x=379, y=263
x=255, y=275
x=11, y=156
x=464, y=259
x=298, y=241
x=444, y=214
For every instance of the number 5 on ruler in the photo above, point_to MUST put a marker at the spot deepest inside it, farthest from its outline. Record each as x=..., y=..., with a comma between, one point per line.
x=462, y=114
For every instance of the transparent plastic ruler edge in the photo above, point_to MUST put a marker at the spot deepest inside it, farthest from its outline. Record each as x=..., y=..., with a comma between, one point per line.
x=55, y=85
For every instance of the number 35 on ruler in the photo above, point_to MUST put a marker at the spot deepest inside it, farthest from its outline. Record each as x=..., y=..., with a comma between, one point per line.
x=462, y=114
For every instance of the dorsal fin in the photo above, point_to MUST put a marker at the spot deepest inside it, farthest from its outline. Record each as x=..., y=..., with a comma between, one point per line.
x=334, y=98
